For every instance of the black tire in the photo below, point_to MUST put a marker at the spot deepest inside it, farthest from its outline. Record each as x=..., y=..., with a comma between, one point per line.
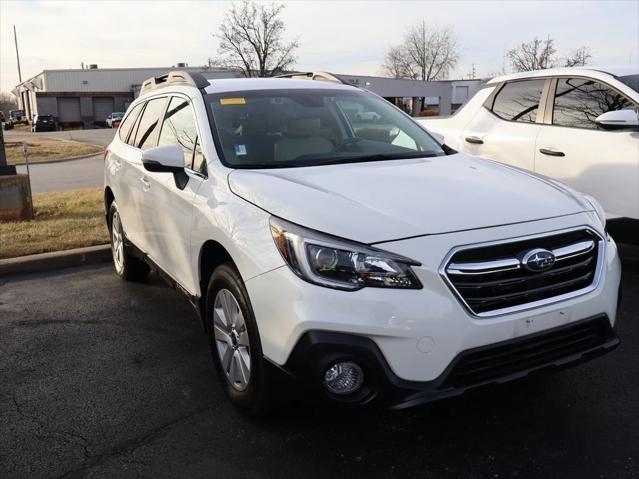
x=256, y=399
x=126, y=266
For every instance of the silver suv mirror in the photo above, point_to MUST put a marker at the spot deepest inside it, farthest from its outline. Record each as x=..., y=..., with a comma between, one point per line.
x=164, y=159
x=618, y=119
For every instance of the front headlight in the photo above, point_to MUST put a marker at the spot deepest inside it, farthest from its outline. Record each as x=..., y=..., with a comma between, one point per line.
x=336, y=263
x=598, y=209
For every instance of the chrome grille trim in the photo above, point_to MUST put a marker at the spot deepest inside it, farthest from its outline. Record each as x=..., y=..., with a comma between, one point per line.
x=485, y=267
x=507, y=264
x=573, y=250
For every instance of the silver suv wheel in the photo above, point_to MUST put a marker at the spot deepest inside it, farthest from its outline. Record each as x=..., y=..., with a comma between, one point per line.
x=117, y=242
x=231, y=339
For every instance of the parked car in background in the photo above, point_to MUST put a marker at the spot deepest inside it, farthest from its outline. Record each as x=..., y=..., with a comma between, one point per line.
x=576, y=125
x=114, y=119
x=17, y=117
x=360, y=260
x=43, y=123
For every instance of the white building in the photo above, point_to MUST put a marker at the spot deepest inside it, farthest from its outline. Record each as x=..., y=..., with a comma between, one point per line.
x=85, y=97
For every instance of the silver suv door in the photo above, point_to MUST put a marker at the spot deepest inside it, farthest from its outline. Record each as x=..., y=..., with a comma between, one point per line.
x=506, y=127
x=134, y=178
x=573, y=149
x=167, y=224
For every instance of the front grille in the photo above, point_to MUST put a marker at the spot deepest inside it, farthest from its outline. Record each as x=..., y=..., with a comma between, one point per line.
x=526, y=354
x=492, y=279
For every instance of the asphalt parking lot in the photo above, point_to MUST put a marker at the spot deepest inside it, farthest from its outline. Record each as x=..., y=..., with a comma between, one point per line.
x=102, y=378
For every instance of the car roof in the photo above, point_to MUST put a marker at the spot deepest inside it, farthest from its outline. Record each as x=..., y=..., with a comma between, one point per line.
x=248, y=84
x=595, y=72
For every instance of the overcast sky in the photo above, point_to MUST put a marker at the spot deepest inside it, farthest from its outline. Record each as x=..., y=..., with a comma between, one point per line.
x=338, y=36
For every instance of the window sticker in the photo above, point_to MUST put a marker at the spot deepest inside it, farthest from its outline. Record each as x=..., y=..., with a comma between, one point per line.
x=232, y=101
x=240, y=150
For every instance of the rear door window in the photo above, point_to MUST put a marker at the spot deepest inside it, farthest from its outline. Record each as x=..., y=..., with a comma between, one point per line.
x=579, y=101
x=179, y=128
x=519, y=100
x=148, y=129
x=129, y=121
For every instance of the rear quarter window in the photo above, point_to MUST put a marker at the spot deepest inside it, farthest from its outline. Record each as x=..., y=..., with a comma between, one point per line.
x=146, y=135
x=129, y=121
x=519, y=100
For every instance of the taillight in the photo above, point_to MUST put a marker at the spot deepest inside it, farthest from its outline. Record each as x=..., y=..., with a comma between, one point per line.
x=106, y=154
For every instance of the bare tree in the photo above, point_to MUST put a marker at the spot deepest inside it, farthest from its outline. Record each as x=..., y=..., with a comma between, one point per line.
x=578, y=57
x=540, y=54
x=251, y=40
x=397, y=65
x=534, y=55
x=426, y=53
x=7, y=102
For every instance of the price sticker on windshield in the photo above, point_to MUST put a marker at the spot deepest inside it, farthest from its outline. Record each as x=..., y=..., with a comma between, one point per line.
x=232, y=101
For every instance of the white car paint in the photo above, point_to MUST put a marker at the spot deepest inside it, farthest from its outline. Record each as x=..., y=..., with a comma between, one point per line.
x=480, y=189
x=420, y=208
x=601, y=163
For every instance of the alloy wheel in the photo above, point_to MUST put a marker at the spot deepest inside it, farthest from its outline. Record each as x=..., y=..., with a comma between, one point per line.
x=231, y=339
x=117, y=242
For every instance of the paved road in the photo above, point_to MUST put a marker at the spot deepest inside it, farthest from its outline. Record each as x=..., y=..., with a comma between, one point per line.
x=67, y=175
x=98, y=136
x=101, y=378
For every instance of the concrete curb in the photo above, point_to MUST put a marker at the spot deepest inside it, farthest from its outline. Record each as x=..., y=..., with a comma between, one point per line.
x=56, y=260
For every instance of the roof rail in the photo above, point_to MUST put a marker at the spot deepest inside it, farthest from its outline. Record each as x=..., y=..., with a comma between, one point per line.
x=177, y=77
x=320, y=76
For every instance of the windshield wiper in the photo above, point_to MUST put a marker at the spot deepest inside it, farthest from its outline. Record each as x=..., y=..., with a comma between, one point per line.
x=301, y=161
x=311, y=160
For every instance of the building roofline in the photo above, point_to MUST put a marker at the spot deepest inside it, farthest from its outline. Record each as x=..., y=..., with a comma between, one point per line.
x=169, y=68
x=407, y=79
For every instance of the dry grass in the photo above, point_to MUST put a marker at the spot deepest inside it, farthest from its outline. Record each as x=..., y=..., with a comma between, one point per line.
x=43, y=149
x=65, y=220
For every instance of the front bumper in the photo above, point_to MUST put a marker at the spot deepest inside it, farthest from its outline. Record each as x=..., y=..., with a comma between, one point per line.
x=418, y=335
x=498, y=363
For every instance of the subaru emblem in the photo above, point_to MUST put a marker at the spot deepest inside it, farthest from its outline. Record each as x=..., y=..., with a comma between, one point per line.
x=538, y=260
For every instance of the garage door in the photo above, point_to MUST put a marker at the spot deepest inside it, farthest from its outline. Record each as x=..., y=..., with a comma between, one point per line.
x=69, y=110
x=102, y=107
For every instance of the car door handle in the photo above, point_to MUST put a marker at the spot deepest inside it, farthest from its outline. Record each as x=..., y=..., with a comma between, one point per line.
x=146, y=185
x=474, y=140
x=551, y=152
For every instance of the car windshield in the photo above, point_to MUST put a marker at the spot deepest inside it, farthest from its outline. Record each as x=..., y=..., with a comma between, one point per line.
x=631, y=80
x=118, y=114
x=304, y=127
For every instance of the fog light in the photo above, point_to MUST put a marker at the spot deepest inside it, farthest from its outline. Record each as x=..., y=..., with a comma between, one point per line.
x=343, y=378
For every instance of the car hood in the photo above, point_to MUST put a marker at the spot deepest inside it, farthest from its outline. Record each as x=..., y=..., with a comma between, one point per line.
x=386, y=200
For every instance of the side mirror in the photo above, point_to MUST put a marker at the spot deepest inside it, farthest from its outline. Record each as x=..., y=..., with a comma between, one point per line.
x=166, y=159
x=618, y=119
x=163, y=159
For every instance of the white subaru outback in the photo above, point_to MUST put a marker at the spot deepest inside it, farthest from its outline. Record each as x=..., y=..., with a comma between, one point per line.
x=327, y=240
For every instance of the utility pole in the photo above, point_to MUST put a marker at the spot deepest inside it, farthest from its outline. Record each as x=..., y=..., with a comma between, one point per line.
x=3, y=156
x=15, y=39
